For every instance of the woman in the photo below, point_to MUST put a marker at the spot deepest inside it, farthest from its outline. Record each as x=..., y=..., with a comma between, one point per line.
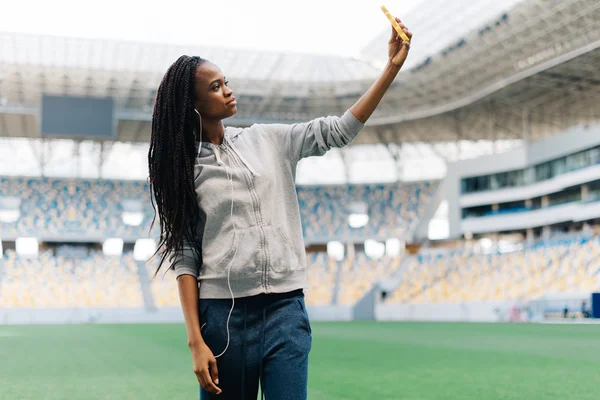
x=230, y=226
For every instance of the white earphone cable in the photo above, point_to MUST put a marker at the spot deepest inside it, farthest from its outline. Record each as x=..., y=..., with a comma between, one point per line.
x=230, y=178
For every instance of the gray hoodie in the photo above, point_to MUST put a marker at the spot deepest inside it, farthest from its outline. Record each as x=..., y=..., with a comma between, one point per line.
x=249, y=213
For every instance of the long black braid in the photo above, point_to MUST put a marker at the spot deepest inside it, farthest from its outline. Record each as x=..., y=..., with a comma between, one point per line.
x=171, y=160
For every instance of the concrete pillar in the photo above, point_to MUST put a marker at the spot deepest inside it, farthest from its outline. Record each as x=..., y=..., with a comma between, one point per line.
x=530, y=236
x=587, y=229
x=546, y=232
x=585, y=190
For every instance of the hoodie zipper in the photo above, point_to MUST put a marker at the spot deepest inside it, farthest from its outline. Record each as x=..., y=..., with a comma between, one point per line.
x=256, y=206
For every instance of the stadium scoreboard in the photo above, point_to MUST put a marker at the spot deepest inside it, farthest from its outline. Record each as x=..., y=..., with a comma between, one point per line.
x=77, y=117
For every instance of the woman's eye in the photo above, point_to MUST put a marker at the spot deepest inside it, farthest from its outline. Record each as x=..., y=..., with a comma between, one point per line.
x=216, y=87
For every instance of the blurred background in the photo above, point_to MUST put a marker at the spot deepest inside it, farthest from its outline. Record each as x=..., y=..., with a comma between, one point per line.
x=470, y=200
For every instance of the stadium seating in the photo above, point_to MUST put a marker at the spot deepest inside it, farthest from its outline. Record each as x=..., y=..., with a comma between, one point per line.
x=350, y=278
x=522, y=275
x=94, y=207
x=163, y=286
x=322, y=273
x=361, y=273
x=75, y=207
x=394, y=210
x=55, y=282
x=463, y=276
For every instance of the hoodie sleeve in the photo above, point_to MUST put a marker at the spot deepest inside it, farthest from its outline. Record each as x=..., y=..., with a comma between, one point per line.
x=313, y=138
x=185, y=262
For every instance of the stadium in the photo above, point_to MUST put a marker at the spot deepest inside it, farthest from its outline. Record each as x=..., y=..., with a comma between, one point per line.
x=453, y=248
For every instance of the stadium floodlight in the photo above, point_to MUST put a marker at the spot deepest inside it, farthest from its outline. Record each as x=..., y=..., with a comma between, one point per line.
x=10, y=209
x=374, y=249
x=27, y=246
x=505, y=246
x=438, y=229
x=485, y=244
x=335, y=250
x=132, y=218
x=393, y=247
x=9, y=216
x=132, y=212
x=112, y=247
x=359, y=216
x=143, y=249
x=358, y=220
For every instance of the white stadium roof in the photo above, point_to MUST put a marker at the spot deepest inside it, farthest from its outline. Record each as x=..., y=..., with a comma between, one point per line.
x=153, y=59
x=476, y=72
x=438, y=26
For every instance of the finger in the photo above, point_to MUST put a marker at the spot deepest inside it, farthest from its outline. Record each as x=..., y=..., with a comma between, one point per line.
x=394, y=32
x=210, y=386
x=214, y=372
x=406, y=31
x=394, y=36
x=201, y=380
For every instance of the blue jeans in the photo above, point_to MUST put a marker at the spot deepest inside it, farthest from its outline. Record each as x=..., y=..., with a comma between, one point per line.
x=270, y=339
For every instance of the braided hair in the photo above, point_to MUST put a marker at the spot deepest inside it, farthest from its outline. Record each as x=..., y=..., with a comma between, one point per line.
x=171, y=159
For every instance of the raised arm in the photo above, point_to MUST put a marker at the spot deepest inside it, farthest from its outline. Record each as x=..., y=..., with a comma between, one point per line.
x=397, y=52
x=316, y=137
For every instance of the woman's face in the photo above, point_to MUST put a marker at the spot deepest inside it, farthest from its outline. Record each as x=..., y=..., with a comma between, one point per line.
x=214, y=99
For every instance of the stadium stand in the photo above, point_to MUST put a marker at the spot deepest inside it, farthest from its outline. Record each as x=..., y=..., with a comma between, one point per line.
x=50, y=281
x=465, y=276
x=322, y=278
x=163, y=286
x=350, y=278
x=52, y=207
x=394, y=210
x=74, y=207
x=94, y=207
x=361, y=273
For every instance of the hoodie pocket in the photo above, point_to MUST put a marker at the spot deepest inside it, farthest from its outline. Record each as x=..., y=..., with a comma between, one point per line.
x=283, y=253
x=218, y=253
x=241, y=251
x=232, y=251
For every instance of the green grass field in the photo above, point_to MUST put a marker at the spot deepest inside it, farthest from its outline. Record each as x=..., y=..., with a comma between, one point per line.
x=358, y=360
